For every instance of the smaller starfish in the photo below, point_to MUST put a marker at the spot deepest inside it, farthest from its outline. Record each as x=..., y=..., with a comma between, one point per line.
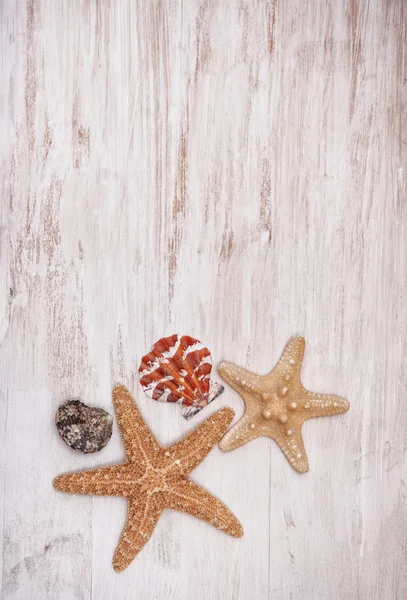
x=277, y=405
x=154, y=478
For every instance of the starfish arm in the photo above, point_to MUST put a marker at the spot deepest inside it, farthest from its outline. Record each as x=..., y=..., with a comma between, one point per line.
x=138, y=440
x=191, y=450
x=322, y=405
x=143, y=514
x=188, y=497
x=242, y=432
x=106, y=481
x=241, y=380
x=292, y=446
x=290, y=362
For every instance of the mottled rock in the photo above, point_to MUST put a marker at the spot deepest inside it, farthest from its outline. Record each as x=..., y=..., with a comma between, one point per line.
x=84, y=428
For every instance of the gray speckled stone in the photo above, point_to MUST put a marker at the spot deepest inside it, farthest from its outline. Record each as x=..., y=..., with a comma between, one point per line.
x=83, y=428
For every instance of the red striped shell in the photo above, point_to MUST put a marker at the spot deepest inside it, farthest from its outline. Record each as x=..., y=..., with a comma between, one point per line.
x=177, y=370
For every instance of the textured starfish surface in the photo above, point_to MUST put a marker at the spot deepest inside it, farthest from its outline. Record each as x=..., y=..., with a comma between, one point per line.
x=277, y=405
x=154, y=478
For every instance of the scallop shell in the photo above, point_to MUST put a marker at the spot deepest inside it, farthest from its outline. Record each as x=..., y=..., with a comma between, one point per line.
x=177, y=370
x=84, y=428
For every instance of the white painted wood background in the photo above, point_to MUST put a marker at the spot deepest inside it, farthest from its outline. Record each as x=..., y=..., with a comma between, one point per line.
x=232, y=170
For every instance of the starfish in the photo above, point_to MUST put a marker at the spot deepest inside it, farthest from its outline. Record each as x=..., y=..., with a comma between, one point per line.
x=154, y=478
x=277, y=405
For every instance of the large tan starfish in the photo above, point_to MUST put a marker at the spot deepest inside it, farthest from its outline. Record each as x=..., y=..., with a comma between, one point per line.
x=154, y=478
x=277, y=405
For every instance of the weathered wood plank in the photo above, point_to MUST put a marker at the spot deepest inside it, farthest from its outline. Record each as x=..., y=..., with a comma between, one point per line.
x=235, y=171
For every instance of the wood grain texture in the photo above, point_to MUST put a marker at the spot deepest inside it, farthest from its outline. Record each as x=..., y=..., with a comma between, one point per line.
x=235, y=171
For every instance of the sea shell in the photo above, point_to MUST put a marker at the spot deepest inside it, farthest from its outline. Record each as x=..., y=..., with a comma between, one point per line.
x=177, y=370
x=84, y=428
